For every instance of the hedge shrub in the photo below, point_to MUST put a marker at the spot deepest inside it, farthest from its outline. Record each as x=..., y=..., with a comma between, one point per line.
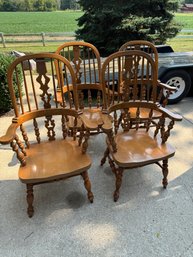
x=5, y=101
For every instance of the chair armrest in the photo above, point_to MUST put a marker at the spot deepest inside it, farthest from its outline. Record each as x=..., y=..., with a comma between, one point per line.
x=166, y=86
x=169, y=91
x=107, y=122
x=10, y=134
x=170, y=114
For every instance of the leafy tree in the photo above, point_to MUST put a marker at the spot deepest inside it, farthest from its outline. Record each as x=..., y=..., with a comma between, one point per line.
x=39, y=5
x=50, y=5
x=9, y=6
x=109, y=24
x=68, y=4
x=73, y=4
x=65, y=4
x=28, y=5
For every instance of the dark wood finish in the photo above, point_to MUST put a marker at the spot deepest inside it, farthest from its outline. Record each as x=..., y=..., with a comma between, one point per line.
x=106, y=153
x=119, y=175
x=58, y=153
x=30, y=199
x=131, y=146
x=165, y=173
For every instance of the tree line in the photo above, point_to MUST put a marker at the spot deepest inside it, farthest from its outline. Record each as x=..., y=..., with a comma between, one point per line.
x=37, y=5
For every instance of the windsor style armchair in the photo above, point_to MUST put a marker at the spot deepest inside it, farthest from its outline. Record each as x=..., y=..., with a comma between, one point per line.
x=48, y=152
x=132, y=102
x=86, y=62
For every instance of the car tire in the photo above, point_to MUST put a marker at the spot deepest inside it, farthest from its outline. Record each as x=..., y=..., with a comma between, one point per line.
x=179, y=79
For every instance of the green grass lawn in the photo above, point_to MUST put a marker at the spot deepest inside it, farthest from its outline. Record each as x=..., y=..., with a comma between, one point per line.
x=186, y=19
x=59, y=21
x=35, y=22
x=183, y=44
x=30, y=47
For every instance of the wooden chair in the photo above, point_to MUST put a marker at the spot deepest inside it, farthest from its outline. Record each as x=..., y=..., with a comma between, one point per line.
x=48, y=152
x=164, y=90
x=85, y=60
x=131, y=147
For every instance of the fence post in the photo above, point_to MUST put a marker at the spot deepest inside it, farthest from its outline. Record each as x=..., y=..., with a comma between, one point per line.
x=2, y=39
x=43, y=38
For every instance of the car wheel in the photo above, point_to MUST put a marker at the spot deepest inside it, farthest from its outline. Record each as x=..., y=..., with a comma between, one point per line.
x=179, y=79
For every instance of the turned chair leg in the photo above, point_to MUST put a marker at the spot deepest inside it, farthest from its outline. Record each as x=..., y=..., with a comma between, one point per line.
x=106, y=153
x=165, y=173
x=112, y=165
x=119, y=175
x=87, y=185
x=30, y=198
x=85, y=143
x=81, y=137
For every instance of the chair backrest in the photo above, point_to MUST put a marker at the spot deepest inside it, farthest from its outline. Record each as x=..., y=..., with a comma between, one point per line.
x=141, y=45
x=85, y=60
x=35, y=90
x=163, y=90
x=129, y=75
x=34, y=94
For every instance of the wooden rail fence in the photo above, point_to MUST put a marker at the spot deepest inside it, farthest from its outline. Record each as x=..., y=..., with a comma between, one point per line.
x=6, y=39
x=44, y=38
x=185, y=33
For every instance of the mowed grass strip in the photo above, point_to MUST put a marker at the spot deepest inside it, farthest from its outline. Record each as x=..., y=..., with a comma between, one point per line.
x=59, y=21
x=186, y=19
x=37, y=22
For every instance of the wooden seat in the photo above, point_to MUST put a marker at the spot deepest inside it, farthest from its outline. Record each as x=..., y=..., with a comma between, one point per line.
x=94, y=118
x=85, y=60
x=47, y=150
x=131, y=146
x=136, y=148
x=39, y=157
